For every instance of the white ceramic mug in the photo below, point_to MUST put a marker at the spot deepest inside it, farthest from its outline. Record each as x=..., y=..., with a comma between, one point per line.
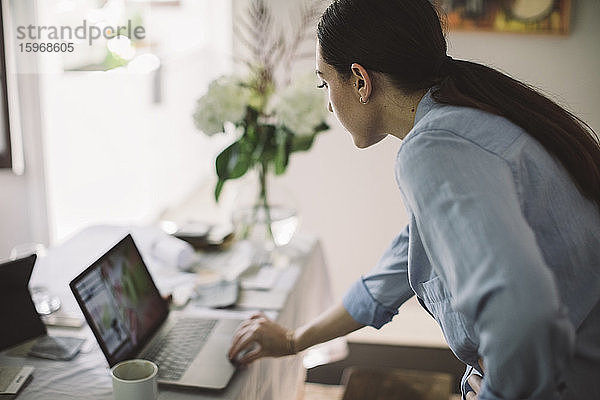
x=134, y=380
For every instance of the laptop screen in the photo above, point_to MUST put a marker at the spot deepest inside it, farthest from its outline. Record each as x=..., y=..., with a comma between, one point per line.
x=120, y=301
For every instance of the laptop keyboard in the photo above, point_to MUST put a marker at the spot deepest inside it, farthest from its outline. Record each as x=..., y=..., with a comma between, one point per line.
x=175, y=351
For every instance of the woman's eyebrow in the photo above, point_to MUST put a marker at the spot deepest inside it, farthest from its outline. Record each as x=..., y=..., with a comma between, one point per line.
x=319, y=73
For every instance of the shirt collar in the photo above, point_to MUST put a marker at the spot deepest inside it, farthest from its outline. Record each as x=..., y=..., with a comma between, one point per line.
x=425, y=105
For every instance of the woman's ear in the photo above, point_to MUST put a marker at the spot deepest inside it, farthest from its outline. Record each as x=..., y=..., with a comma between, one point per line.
x=361, y=82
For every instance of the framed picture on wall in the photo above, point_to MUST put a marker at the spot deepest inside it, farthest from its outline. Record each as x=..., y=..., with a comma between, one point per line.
x=5, y=144
x=518, y=16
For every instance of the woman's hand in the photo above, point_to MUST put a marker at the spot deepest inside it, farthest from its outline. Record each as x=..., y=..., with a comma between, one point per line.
x=259, y=337
x=475, y=383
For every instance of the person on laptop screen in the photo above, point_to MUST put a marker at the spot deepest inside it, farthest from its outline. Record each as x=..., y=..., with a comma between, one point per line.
x=502, y=191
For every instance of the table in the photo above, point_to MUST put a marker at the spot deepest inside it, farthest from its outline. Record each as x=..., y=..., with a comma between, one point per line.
x=305, y=289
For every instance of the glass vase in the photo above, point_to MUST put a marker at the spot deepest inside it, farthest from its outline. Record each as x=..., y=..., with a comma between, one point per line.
x=265, y=215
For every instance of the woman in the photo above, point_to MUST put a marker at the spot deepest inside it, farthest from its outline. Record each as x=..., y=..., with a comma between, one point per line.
x=502, y=190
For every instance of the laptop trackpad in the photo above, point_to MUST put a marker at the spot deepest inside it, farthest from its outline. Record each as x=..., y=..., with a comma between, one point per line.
x=211, y=368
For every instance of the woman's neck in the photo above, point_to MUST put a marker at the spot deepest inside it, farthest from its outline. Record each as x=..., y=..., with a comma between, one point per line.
x=396, y=109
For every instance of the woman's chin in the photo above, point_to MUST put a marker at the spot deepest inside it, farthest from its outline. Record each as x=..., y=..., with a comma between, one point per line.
x=363, y=142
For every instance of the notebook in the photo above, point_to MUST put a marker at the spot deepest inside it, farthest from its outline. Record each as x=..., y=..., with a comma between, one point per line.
x=12, y=378
x=130, y=319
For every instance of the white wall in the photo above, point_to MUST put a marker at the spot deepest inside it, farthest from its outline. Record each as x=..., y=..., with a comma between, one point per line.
x=349, y=196
x=564, y=67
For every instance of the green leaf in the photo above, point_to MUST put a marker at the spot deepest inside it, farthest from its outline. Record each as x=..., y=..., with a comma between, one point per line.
x=218, y=189
x=231, y=163
x=305, y=142
x=284, y=148
x=302, y=143
x=266, y=147
x=263, y=144
x=321, y=127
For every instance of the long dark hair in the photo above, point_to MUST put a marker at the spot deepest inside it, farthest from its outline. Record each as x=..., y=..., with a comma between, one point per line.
x=404, y=39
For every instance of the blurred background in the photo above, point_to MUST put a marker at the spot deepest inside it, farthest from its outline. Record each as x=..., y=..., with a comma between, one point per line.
x=106, y=135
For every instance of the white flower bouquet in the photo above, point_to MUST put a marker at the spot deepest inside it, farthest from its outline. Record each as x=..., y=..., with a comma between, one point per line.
x=275, y=119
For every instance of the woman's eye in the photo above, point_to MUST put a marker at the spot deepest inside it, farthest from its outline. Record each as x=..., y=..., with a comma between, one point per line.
x=322, y=85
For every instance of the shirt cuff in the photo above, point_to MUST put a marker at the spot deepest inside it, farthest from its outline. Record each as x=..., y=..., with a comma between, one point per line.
x=361, y=305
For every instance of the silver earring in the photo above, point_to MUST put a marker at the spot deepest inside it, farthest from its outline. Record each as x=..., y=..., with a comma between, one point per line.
x=363, y=101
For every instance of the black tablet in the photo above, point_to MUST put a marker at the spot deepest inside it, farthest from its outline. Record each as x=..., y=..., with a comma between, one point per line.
x=18, y=317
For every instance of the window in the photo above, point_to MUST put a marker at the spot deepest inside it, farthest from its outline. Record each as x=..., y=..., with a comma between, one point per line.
x=120, y=145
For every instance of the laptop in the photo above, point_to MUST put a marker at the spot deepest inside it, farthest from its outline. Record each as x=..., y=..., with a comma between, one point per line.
x=130, y=319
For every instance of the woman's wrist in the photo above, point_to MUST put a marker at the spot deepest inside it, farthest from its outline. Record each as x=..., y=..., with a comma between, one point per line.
x=291, y=342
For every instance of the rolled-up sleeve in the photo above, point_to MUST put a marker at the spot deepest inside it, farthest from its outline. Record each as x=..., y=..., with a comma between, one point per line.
x=468, y=214
x=374, y=299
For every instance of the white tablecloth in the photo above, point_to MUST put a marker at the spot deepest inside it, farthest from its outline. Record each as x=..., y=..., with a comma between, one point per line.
x=307, y=293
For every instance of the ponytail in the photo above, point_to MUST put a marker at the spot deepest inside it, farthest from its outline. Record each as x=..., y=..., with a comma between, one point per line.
x=562, y=134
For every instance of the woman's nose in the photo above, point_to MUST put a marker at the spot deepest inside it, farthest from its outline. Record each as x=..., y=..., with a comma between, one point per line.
x=329, y=107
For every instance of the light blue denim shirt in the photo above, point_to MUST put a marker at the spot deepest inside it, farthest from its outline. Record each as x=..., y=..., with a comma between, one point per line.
x=503, y=251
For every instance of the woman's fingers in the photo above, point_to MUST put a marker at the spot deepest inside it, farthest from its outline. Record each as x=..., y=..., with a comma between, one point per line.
x=241, y=331
x=269, y=338
x=247, y=325
x=248, y=333
x=475, y=382
x=471, y=396
x=251, y=356
x=235, y=343
x=259, y=314
x=242, y=341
